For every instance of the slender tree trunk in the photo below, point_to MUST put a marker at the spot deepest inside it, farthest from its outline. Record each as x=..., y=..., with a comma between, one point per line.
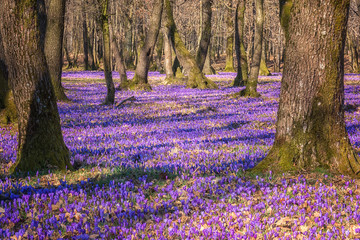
x=54, y=45
x=168, y=57
x=251, y=84
x=196, y=79
x=241, y=57
x=264, y=70
x=354, y=55
x=120, y=64
x=40, y=141
x=208, y=69
x=310, y=130
x=159, y=52
x=140, y=80
x=110, y=96
x=205, y=34
x=229, y=65
x=85, y=38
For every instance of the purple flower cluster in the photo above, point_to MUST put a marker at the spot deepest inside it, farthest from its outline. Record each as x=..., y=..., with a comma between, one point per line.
x=174, y=160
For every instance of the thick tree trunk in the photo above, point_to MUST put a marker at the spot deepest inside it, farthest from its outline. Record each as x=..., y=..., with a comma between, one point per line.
x=110, y=96
x=310, y=130
x=229, y=65
x=264, y=70
x=196, y=79
x=140, y=80
x=205, y=34
x=251, y=84
x=54, y=45
x=40, y=141
x=241, y=57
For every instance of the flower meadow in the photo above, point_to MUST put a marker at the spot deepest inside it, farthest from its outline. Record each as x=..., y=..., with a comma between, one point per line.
x=170, y=165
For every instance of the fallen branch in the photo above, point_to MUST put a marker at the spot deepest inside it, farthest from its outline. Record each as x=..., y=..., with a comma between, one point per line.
x=132, y=98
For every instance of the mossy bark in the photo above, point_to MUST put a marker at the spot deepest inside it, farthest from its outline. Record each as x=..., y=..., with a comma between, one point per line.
x=264, y=70
x=196, y=79
x=251, y=84
x=140, y=80
x=110, y=95
x=40, y=141
x=241, y=57
x=310, y=130
x=54, y=45
x=229, y=65
x=208, y=69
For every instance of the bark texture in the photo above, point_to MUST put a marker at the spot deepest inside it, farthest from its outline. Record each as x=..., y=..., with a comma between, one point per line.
x=241, y=57
x=120, y=64
x=310, y=130
x=54, y=43
x=168, y=57
x=110, y=96
x=40, y=141
x=264, y=70
x=140, y=80
x=204, y=42
x=229, y=65
x=7, y=106
x=251, y=84
x=196, y=79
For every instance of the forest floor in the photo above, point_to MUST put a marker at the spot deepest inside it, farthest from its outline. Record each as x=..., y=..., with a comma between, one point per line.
x=170, y=164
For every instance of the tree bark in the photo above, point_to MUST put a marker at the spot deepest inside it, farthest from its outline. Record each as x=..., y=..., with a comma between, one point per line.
x=85, y=38
x=7, y=107
x=241, y=57
x=354, y=55
x=205, y=34
x=264, y=70
x=310, y=129
x=40, y=141
x=168, y=57
x=208, y=69
x=229, y=65
x=140, y=80
x=110, y=96
x=54, y=45
x=196, y=79
x=120, y=64
x=251, y=84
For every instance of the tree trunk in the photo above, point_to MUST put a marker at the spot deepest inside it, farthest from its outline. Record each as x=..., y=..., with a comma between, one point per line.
x=120, y=64
x=251, y=84
x=140, y=80
x=310, y=130
x=229, y=65
x=110, y=96
x=159, y=52
x=7, y=107
x=85, y=38
x=264, y=70
x=241, y=57
x=196, y=79
x=54, y=45
x=40, y=141
x=354, y=55
x=168, y=57
x=205, y=34
x=208, y=69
